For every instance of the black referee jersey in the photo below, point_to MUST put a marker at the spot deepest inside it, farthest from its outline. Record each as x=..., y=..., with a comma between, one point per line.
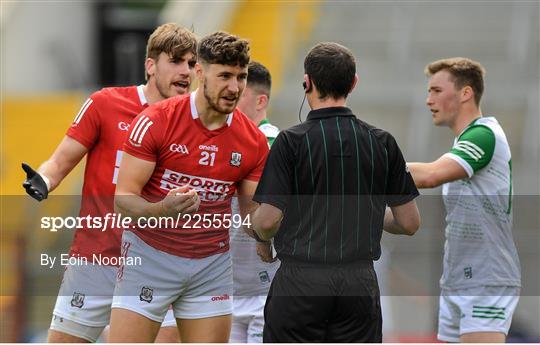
x=332, y=177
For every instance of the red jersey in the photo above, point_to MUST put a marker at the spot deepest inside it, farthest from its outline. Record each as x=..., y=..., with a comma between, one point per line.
x=171, y=134
x=101, y=126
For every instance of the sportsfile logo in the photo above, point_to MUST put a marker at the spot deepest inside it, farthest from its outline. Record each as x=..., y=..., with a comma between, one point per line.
x=208, y=189
x=179, y=148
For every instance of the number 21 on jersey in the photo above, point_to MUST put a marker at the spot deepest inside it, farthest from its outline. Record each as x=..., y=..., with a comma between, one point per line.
x=207, y=158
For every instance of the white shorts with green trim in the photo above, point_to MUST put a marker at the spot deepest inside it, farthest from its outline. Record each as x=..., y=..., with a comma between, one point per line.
x=248, y=319
x=478, y=309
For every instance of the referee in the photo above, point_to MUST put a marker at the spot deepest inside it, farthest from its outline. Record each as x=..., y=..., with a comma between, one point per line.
x=323, y=194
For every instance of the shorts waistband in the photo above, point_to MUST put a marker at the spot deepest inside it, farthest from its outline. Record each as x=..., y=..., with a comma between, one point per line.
x=288, y=261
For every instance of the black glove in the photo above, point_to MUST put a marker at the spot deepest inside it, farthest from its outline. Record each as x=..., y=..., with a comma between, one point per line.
x=34, y=184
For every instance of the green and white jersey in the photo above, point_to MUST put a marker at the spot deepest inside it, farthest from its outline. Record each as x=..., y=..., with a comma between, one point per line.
x=479, y=248
x=269, y=130
x=251, y=276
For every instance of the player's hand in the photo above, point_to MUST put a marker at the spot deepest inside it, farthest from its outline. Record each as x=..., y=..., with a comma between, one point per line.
x=264, y=250
x=181, y=200
x=34, y=184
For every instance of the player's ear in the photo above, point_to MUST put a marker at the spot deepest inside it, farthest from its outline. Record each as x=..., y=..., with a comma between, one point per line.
x=355, y=81
x=262, y=102
x=199, y=71
x=466, y=93
x=150, y=66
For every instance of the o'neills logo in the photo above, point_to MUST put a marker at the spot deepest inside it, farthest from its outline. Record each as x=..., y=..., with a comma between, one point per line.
x=213, y=148
x=224, y=297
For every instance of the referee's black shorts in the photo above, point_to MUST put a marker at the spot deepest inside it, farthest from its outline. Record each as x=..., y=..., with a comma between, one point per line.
x=323, y=303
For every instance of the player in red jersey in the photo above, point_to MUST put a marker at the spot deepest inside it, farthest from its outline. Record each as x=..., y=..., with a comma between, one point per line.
x=203, y=143
x=99, y=130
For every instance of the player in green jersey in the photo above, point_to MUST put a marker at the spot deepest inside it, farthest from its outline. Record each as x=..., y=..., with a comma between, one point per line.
x=481, y=276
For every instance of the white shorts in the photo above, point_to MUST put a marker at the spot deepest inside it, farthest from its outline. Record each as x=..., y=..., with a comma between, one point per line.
x=248, y=319
x=169, y=320
x=196, y=288
x=85, y=294
x=83, y=305
x=479, y=309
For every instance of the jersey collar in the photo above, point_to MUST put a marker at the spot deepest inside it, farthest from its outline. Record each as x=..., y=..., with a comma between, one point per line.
x=473, y=122
x=142, y=97
x=195, y=113
x=329, y=112
x=263, y=122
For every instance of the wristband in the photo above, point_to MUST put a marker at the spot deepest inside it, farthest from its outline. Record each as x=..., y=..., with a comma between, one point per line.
x=47, y=182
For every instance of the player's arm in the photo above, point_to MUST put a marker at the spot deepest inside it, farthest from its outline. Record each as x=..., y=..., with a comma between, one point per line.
x=401, y=216
x=402, y=219
x=249, y=208
x=434, y=174
x=266, y=221
x=51, y=172
x=66, y=156
x=133, y=175
x=268, y=217
x=471, y=152
x=81, y=136
x=274, y=189
x=246, y=190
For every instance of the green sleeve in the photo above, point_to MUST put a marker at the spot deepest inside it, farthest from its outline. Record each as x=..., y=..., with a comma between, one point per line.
x=475, y=146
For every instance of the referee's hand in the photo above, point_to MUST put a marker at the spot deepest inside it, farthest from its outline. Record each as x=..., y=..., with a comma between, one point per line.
x=34, y=184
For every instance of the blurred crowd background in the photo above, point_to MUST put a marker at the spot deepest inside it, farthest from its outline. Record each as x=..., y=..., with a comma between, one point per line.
x=55, y=53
